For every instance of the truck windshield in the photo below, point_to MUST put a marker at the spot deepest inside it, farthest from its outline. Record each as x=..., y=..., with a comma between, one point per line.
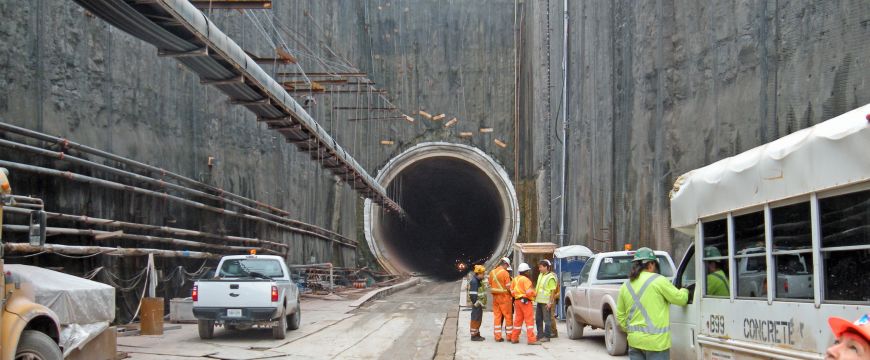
x=251, y=268
x=618, y=267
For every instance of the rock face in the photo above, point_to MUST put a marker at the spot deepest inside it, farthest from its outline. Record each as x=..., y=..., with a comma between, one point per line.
x=654, y=89
x=657, y=88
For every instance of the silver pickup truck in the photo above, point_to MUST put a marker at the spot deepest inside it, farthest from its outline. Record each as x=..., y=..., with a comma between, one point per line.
x=247, y=291
x=590, y=300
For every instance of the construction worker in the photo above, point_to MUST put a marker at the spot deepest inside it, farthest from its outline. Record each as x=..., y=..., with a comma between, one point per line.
x=643, y=308
x=717, y=282
x=545, y=288
x=477, y=299
x=499, y=287
x=524, y=299
x=853, y=339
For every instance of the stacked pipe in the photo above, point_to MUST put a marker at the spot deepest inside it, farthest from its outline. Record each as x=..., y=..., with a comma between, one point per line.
x=251, y=212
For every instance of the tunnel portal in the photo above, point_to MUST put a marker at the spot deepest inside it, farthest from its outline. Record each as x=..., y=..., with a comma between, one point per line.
x=460, y=208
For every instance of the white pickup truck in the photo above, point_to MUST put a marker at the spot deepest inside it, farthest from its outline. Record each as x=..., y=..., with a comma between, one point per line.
x=590, y=300
x=247, y=291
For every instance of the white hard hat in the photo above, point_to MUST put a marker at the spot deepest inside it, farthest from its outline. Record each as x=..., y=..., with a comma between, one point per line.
x=524, y=267
x=506, y=261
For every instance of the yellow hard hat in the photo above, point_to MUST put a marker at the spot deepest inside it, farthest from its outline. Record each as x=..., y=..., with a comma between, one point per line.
x=479, y=269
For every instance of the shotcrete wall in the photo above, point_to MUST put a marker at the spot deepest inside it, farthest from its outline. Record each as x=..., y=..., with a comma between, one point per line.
x=67, y=73
x=657, y=88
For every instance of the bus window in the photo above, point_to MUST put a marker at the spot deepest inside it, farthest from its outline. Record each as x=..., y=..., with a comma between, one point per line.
x=845, y=230
x=715, y=257
x=792, y=251
x=750, y=255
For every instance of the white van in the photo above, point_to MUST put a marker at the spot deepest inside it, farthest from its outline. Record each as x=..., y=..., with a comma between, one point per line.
x=796, y=210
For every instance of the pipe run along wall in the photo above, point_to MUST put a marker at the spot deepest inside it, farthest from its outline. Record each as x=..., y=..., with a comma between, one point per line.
x=460, y=204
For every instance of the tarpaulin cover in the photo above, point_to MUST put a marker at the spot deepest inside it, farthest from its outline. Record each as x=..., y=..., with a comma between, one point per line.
x=75, y=300
x=830, y=154
x=572, y=250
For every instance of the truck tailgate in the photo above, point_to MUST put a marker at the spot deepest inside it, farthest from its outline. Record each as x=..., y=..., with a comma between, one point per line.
x=242, y=293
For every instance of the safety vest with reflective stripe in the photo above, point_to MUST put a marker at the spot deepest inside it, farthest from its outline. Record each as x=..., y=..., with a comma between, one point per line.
x=521, y=287
x=476, y=290
x=499, y=280
x=717, y=284
x=643, y=310
x=545, y=287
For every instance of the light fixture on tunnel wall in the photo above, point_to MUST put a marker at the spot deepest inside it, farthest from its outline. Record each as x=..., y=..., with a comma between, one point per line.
x=425, y=114
x=486, y=129
x=500, y=143
x=466, y=134
x=451, y=122
x=408, y=118
x=387, y=142
x=438, y=117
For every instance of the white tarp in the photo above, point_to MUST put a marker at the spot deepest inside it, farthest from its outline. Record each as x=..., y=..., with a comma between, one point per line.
x=827, y=155
x=572, y=250
x=75, y=300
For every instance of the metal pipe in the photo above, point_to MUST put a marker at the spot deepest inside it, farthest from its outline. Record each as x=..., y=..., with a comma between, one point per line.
x=106, y=235
x=107, y=155
x=94, y=250
x=122, y=187
x=164, y=229
x=27, y=199
x=159, y=183
x=562, y=197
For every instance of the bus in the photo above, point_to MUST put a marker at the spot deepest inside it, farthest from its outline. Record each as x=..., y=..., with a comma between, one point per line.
x=788, y=224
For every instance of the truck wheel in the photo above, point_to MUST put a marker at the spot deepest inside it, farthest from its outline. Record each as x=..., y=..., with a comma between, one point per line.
x=35, y=345
x=575, y=328
x=293, y=322
x=279, y=330
x=206, y=329
x=614, y=339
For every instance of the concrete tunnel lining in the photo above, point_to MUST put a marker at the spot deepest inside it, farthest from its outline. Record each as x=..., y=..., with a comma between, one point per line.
x=461, y=206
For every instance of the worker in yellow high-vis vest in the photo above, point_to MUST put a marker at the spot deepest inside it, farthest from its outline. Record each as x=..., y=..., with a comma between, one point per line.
x=643, y=308
x=545, y=288
x=717, y=281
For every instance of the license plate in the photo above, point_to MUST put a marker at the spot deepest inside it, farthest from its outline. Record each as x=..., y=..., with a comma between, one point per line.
x=234, y=312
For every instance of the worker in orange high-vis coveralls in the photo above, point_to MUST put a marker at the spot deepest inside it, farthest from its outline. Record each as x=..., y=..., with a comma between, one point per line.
x=499, y=287
x=524, y=305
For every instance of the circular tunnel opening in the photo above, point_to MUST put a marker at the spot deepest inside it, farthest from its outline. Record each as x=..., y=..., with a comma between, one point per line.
x=460, y=208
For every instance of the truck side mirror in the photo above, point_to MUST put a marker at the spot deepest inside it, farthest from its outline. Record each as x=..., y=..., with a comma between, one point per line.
x=37, y=228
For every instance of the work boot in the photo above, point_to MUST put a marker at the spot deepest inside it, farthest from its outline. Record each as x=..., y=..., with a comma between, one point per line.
x=477, y=338
x=544, y=339
x=535, y=343
x=499, y=340
x=515, y=341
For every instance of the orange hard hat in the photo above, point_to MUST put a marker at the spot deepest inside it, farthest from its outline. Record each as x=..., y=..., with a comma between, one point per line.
x=860, y=326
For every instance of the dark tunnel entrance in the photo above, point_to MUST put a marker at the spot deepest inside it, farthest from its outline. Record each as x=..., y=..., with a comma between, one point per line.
x=459, y=210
